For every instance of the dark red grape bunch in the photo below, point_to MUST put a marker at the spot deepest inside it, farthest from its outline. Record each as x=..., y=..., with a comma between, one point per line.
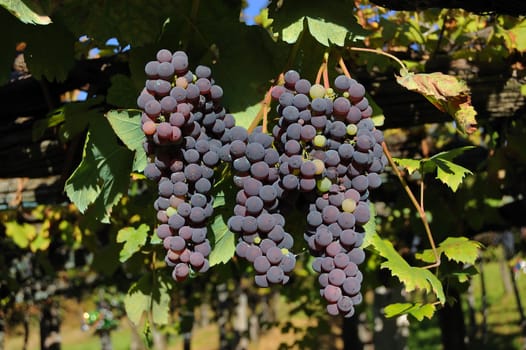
x=331, y=151
x=185, y=127
x=263, y=240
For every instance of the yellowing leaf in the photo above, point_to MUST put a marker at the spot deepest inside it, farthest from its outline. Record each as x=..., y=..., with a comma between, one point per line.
x=465, y=117
x=21, y=234
x=447, y=93
x=41, y=242
x=517, y=37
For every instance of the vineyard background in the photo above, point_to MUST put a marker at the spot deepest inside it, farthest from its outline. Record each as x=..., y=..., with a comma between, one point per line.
x=73, y=62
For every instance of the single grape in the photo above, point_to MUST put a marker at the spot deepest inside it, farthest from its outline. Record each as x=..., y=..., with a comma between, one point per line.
x=362, y=213
x=291, y=77
x=317, y=91
x=332, y=293
x=337, y=277
x=275, y=275
x=351, y=286
x=341, y=83
x=164, y=55
x=261, y=264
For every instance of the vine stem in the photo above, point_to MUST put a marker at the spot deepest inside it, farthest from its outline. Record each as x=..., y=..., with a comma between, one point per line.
x=379, y=52
x=415, y=203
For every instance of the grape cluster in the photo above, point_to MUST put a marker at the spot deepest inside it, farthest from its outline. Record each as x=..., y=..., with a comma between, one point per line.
x=330, y=148
x=263, y=240
x=185, y=127
x=324, y=151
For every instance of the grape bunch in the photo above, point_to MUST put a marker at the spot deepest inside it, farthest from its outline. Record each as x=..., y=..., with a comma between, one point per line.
x=263, y=241
x=331, y=152
x=324, y=155
x=185, y=127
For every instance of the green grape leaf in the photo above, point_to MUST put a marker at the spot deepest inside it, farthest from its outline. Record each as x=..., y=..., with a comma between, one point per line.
x=328, y=22
x=73, y=118
x=370, y=227
x=52, y=59
x=219, y=199
x=417, y=310
x=244, y=118
x=54, y=118
x=133, y=239
x=448, y=172
x=224, y=246
x=127, y=126
x=291, y=33
x=122, y=93
x=413, y=277
x=130, y=21
x=161, y=307
x=253, y=58
x=446, y=92
x=327, y=33
x=83, y=186
x=103, y=175
x=459, y=249
x=411, y=165
x=24, y=13
x=148, y=295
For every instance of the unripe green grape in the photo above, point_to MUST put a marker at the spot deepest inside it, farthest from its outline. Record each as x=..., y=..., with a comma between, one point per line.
x=324, y=184
x=317, y=91
x=352, y=129
x=348, y=205
x=319, y=141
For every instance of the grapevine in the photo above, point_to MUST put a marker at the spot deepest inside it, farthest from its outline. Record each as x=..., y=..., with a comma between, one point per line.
x=324, y=150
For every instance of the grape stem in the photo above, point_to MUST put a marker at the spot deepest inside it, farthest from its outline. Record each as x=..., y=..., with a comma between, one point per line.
x=263, y=111
x=342, y=65
x=323, y=72
x=323, y=67
x=418, y=207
